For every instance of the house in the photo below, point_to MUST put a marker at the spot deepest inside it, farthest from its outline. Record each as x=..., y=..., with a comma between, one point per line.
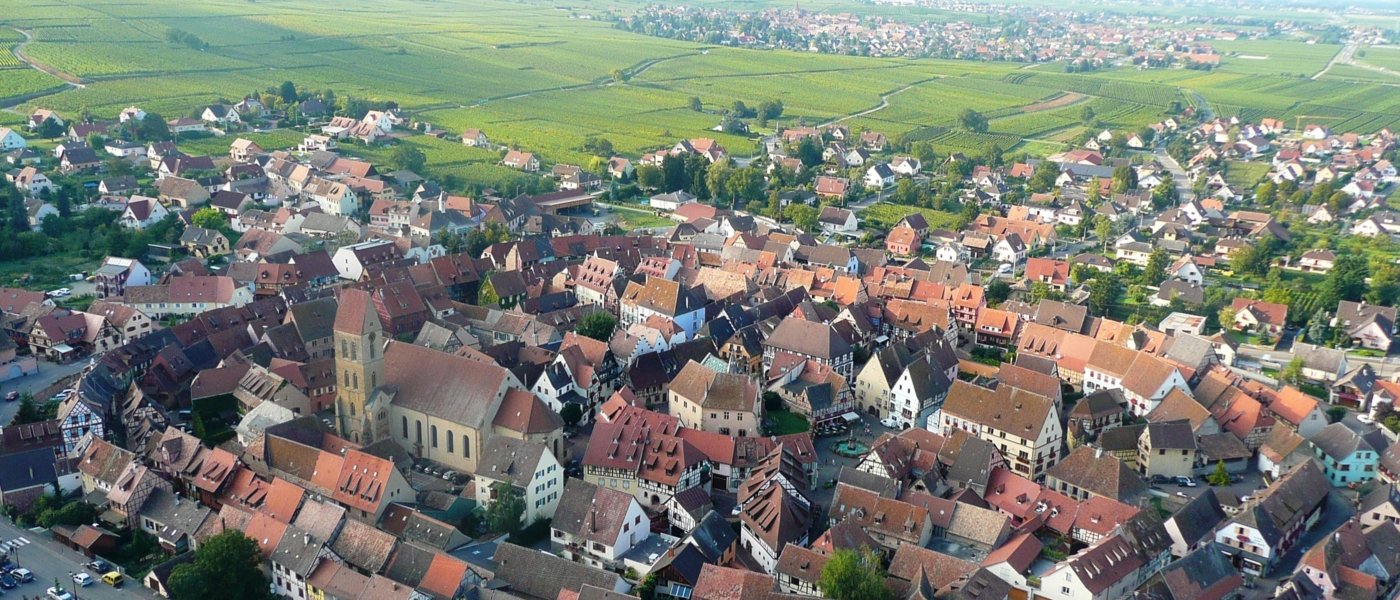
x=1321, y=364
x=1090, y=472
x=524, y=161
x=1367, y=325
x=879, y=176
x=1204, y=574
x=1024, y=425
x=996, y=327
x=1346, y=457
x=32, y=182
x=116, y=274
x=189, y=295
x=527, y=467
x=596, y=525
x=181, y=192
x=475, y=138
x=41, y=116
x=1167, y=449
x=665, y=298
x=832, y=187
x=1257, y=315
x=242, y=150
x=1267, y=527
x=1194, y=525
x=907, y=166
x=220, y=115
x=774, y=512
x=1054, y=273
x=835, y=221
x=10, y=140
x=1010, y=250
x=529, y=573
x=903, y=241
x=672, y=200
x=723, y=403
x=891, y=523
x=809, y=340
x=1317, y=261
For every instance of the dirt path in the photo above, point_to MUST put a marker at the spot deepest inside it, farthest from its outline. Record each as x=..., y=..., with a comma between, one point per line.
x=884, y=102
x=18, y=50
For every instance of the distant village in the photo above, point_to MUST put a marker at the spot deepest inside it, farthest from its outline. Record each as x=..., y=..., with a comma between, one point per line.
x=1116, y=371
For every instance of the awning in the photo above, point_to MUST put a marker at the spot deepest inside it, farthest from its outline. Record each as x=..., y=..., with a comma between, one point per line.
x=851, y=417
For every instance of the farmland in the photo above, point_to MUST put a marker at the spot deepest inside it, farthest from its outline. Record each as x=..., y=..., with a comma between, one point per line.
x=541, y=77
x=884, y=215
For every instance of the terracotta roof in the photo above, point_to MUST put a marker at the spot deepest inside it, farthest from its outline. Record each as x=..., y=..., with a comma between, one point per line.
x=1098, y=473
x=590, y=512
x=460, y=390
x=266, y=532
x=940, y=568
x=1012, y=410
x=283, y=500
x=363, y=545
x=723, y=583
x=524, y=412
x=362, y=481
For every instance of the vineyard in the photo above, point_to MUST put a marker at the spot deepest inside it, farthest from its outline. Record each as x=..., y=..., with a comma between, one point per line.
x=21, y=82
x=884, y=215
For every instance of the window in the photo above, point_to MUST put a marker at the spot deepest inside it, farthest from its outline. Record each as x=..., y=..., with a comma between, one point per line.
x=432, y=429
x=449, y=443
x=418, y=432
x=466, y=447
x=405, y=427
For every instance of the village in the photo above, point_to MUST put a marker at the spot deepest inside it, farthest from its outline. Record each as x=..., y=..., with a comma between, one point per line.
x=1120, y=370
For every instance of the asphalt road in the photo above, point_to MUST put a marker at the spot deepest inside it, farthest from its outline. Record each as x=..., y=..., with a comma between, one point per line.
x=50, y=560
x=35, y=384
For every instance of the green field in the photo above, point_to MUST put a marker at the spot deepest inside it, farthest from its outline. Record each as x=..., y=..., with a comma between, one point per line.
x=539, y=76
x=884, y=215
x=1386, y=58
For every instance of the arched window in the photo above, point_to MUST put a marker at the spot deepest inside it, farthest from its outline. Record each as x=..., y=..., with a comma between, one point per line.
x=352, y=409
x=466, y=446
x=355, y=377
x=344, y=347
x=433, y=430
x=354, y=352
x=418, y=431
x=449, y=442
x=347, y=379
x=405, y=427
x=373, y=380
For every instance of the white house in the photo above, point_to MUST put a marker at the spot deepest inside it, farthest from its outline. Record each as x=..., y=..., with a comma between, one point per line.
x=838, y=221
x=907, y=166
x=131, y=113
x=220, y=114
x=672, y=200
x=529, y=467
x=596, y=525
x=10, y=140
x=879, y=175
x=1010, y=250
x=142, y=212
x=30, y=181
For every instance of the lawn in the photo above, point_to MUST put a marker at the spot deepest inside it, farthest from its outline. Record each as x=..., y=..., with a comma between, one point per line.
x=785, y=422
x=632, y=218
x=45, y=272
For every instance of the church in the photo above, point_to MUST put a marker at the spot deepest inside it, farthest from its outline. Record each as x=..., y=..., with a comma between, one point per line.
x=437, y=406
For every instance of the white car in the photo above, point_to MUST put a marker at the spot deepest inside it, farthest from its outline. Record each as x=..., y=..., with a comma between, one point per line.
x=82, y=579
x=61, y=293
x=57, y=593
x=1004, y=268
x=1365, y=418
x=890, y=422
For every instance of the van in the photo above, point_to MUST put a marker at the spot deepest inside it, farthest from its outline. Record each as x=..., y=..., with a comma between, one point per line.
x=113, y=579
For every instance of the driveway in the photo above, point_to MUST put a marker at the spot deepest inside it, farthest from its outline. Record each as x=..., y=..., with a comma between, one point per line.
x=51, y=561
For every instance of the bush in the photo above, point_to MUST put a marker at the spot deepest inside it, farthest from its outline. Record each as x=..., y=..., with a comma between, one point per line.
x=532, y=534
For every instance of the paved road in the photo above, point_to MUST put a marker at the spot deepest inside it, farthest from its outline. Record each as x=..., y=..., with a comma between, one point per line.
x=50, y=560
x=1344, y=56
x=35, y=384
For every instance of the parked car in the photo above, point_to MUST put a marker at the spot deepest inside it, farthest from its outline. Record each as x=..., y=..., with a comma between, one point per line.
x=58, y=593
x=12, y=396
x=98, y=566
x=889, y=422
x=82, y=579
x=61, y=293
x=7, y=582
x=1184, y=481
x=22, y=575
x=113, y=579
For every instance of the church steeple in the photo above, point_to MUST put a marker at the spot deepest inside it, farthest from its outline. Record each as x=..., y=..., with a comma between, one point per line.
x=359, y=364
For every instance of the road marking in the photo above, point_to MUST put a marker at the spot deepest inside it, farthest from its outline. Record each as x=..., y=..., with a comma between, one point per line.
x=21, y=541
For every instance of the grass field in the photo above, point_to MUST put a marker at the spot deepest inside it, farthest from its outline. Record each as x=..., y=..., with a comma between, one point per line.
x=1388, y=58
x=540, y=76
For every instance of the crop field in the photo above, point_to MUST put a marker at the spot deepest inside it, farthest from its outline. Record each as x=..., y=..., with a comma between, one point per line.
x=1274, y=57
x=539, y=76
x=884, y=215
x=1386, y=58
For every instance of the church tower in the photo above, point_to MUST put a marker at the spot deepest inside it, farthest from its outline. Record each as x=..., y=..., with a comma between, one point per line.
x=359, y=365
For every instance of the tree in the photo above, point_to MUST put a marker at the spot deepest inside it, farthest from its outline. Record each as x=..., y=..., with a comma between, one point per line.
x=1103, y=229
x=597, y=325
x=972, y=120
x=29, y=411
x=209, y=218
x=1043, y=179
x=1164, y=194
x=1124, y=179
x=805, y=217
x=409, y=158
x=571, y=413
x=1086, y=115
x=1318, y=332
x=1346, y=280
x=1293, y=371
x=998, y=291
x=695, y=104
x=227, y=566
x=288, y=92
x=618, y=75
x=506, y=514
x=153, y=128
x=1220, y=476
x=650, y=177
x=851, y=575
x=50, y=129
x=1156, y=271
x=1040, y=291
x=809, y=151
x=674, y=173
x=1104, y=290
